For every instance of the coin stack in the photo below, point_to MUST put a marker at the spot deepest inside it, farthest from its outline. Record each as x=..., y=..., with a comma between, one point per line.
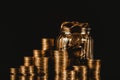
x=57, y=77
x=14, y=73
x=28, y=61
x=47, y=43
x=60, y=61
x=42, y=78
x=71, y=75
x=42, y=53
x=81, y=72
x=13, y=77
x=41, y=64
x=27, y=70
x=42, y=57
x=66, y=75
x=62, y=76
x=94, y=67
x=38, y=53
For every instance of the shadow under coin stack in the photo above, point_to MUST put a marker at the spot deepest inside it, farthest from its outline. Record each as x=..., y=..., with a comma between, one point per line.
x=63, y=63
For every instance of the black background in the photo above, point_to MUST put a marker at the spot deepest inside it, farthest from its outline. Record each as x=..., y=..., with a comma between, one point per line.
x=22, y=32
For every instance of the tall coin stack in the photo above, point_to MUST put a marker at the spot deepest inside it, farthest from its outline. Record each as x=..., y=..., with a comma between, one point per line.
x=60, y=64
x=60, y=61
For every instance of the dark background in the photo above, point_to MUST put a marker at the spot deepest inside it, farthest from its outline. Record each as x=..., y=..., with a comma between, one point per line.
x=22, y=33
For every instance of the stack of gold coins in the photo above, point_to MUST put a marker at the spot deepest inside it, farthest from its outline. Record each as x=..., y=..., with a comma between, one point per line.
x=37, y=53
x=81, y=72
x=23, y=77
x=94, y=67
x=97, y=77
x=31, y=78
x=56, y=62
x=28, y=61
x=71, y=75
x=14, y=71
x=64, y=75
x=42, y=53
x=27, y=70
x=47, y=43
x=13, y=77
x=45, y=77
x=57, y=77
x=41, y=64
x=60, y=61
